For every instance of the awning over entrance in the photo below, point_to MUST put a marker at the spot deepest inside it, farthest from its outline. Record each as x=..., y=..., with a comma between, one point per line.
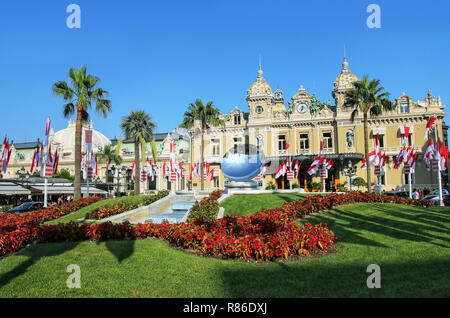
x=341, y=158
x=9, y=188
x=57, y=189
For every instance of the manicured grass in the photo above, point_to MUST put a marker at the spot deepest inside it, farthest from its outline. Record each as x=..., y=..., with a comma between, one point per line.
x=75, y=216
x=244, y=204
x=411, y=245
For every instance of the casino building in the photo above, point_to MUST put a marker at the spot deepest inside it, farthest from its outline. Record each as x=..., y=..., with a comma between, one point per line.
x=267, y=123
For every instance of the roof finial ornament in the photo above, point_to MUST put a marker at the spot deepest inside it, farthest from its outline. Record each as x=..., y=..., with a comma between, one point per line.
x=345, y=63
x=260, y=72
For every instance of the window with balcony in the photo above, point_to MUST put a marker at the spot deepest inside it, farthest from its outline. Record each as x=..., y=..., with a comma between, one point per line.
x=404, y=108
x=215, y=147
x=304, y=141
x=327, y=140
x=281, y=142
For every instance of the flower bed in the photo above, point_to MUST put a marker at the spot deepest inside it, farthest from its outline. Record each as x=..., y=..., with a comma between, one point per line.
x=105, y=211
x=266, y=235
x=18, y=230
x=206, y=209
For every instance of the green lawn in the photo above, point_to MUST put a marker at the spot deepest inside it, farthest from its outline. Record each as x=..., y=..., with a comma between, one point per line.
x=411, y=245
x=244, y=204
x=75, y=216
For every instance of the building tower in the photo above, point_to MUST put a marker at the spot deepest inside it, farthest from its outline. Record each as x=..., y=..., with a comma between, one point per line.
x=343, y=83
x=260, y=97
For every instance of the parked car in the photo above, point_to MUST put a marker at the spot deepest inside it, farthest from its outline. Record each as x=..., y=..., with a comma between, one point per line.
x=27, y=207
x=435, y=198
x=436, y=192
x=400, y=193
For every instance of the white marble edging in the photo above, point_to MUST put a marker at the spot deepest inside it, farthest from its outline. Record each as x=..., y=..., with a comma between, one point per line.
x=124, y=214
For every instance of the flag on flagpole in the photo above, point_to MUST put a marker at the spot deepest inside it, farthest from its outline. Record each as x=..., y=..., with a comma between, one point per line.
x=429, y=124
x=279, y=172
x=297, y=168
x=47, y=132
x=405, y=136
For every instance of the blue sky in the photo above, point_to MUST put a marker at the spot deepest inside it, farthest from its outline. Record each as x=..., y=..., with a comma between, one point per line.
x=161, y=55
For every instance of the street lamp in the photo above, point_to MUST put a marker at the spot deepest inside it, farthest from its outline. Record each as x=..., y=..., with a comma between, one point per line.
x=23, y=174
x=120, y=171
x=350, y=172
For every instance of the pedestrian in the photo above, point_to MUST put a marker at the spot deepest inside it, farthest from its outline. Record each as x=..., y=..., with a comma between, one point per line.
x=415, y=195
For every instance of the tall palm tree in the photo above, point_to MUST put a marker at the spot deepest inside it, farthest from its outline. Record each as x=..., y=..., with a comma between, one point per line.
x=208, y=116
x=108, y=155
x=138, y=126
x=367, y=97
x=79, y=98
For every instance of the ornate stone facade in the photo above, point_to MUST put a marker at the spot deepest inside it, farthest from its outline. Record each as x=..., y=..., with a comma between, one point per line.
x=305, y=121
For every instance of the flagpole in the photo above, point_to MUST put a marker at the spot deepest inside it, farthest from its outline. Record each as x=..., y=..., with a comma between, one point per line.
x=441, y=203
x=45, y=191
x=410, y=185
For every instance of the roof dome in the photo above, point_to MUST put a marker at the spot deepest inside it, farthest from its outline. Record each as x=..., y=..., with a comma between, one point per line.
x=260, y=87
x=65, y=138
x=345, y=80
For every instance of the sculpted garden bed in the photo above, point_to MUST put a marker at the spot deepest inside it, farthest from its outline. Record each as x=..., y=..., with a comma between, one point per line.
x=266, y=235
x=105, y=211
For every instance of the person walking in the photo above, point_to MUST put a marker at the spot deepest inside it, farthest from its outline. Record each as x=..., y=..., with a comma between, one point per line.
x=415, y=195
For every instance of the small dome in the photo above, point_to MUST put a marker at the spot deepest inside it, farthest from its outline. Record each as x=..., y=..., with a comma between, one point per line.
x=346, y=78
x=260, y=87
x=65, y=138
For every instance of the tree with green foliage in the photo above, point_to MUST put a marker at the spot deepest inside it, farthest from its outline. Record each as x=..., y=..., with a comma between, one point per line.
x=79, y=99
x=139, y=127
x=342, y=186
x=109, y=155
x=208, y=116
x=367, y=96
x=316, y=185
x=359, y=182
x=65, y=174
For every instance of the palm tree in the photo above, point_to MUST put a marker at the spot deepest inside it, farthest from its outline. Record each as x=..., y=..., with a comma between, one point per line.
x=78, y=99
x=138, y=126
x=208, y=116
x=368, y=97
x=108, y=155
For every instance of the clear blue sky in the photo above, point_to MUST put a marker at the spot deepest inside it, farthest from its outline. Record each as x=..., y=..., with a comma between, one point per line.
x=161, y=55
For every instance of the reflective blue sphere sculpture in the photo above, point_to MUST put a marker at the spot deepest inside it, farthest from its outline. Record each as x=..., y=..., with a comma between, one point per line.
x=242, y=163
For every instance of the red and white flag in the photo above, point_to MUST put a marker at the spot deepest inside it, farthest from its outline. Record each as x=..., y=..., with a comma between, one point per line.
x=297, y=168
x=443, y=152
x=429, y=124
x=406, y=135
x=287, y=146
x=329, y=164
x=55, y=162
x=133, y=170
x=279, y=172
x=413, y=165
